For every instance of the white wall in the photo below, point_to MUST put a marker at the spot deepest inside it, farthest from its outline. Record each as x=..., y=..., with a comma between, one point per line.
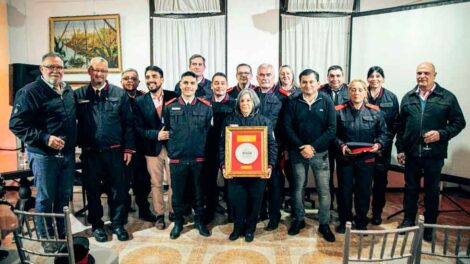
x=252, y=35
x=367, y=5
x=401, y=40
x=29, y=30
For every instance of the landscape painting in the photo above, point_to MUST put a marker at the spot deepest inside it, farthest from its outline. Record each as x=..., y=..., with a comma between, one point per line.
x=80, y=38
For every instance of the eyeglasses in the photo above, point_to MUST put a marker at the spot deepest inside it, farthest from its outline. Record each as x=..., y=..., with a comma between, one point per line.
x=130, y=79
x=99, y=70
x=53, y=67
x=244, y=73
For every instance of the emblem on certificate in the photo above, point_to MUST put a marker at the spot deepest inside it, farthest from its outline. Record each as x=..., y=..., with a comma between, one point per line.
x=246, y=151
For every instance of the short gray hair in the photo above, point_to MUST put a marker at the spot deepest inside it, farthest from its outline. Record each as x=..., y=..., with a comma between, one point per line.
x=97, y=59
x=51, y=54
x=265, y=65
x=130, y=70
x=254, y=100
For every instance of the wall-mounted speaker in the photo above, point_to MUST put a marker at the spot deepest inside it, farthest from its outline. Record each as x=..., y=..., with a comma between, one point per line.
x=20, y=75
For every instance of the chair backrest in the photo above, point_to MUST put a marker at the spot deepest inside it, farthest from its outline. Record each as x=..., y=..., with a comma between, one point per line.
x=380, y=245
x=447, y=242
x=28, y=240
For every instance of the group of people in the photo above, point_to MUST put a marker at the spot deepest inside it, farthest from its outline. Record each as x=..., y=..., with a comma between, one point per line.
x=134, y=139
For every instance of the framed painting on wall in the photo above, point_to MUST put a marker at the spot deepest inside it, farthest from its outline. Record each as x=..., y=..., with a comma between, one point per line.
x=80, y=38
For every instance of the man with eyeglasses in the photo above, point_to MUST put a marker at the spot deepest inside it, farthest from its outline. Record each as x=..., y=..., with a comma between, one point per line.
x=270, y=107
x=43, y=117
x=136, y=171
x=106, y=136
x=244, y=75
x=197, y=65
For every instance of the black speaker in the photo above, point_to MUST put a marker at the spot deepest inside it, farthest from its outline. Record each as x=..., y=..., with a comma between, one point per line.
x=20, y=75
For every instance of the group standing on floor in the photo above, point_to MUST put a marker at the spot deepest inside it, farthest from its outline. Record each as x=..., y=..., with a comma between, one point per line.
x=134, y=139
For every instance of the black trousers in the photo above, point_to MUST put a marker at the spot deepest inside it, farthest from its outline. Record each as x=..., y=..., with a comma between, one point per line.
x=431, y=170
x=210, y=191
x=245, y=197
x=103, y=172
x=380, y=181
x=186, y=178
x=354, y=177
x=273, y=200
x=139, y=178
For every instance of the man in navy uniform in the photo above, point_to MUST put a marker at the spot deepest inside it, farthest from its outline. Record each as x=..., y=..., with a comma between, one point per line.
x=222, y=106
x=244, y=75
x=337, y=90
x=187, y=119
x=197, y=65
x=270, y=107
x=106, y=136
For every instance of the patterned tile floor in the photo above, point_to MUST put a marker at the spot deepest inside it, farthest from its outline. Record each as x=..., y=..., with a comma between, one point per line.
x=149, y=245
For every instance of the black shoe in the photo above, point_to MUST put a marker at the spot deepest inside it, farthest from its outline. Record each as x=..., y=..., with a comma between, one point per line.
x=249, y=237
x=121, y=233
x=341, y=229
x=427, y=235
x=147, y=216
x=234, y=235
x=203, y=231
x=50, y=247
x=325, y=230
x=295, y=227
x=405, y=223
x=100, y=235
x=160, y=222
x=176, y=231
x=131, y=210
x=376, y=220
x=272, y=225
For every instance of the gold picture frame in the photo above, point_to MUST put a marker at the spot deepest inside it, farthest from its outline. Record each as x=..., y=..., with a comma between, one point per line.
x=246, y=152
x=80, y=38
x=77, y=84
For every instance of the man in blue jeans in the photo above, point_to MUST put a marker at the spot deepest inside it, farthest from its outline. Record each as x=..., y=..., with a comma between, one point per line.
x=310, y=123
x=43, y=117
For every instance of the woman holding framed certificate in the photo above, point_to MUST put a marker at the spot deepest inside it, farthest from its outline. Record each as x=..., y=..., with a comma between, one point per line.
x=247, y=154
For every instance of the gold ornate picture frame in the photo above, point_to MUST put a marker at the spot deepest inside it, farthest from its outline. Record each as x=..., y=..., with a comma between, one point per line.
x=80, y=38
x=246, y=150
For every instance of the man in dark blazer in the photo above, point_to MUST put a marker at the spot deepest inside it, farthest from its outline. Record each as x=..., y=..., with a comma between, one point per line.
x=150, y=127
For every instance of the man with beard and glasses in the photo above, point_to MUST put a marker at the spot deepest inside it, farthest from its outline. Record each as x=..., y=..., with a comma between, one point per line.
x=43, y=117
x=151, y=128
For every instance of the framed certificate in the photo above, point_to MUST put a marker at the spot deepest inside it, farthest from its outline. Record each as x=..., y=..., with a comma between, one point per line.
x=246, y=150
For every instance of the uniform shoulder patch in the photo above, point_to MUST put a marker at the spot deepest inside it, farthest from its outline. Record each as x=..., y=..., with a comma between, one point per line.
x=371, y=106
x=229, y=90
x=204, y=101
x=340, y=107
x=170, y=101
x=321, y=87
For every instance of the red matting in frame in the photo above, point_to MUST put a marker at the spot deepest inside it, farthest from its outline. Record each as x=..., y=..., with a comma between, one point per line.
x=246, y=151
